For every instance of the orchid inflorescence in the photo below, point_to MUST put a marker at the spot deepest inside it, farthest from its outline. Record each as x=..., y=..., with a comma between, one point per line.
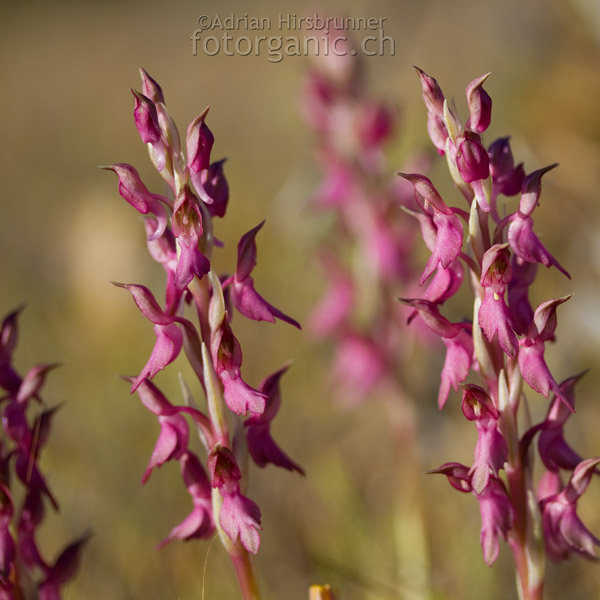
x=26, y=421
x=504, y=343
x=367, y=252
x=237, y=417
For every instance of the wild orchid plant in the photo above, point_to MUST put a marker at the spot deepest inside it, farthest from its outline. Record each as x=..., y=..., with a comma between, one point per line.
x=368, y=256
x=26, y=420
x=504, y=344
x=237, y=417
x=367, y=253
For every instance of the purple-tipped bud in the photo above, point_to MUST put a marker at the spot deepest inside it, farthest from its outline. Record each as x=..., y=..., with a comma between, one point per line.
x=544, y=320
x=480, y=105
x=506, y=177
x=146, y=118
x=215, y=186
x=150, y=88
x=531, y=190
x=432, y=93
x=472, y=158
x=247, y=253
x=199, y=143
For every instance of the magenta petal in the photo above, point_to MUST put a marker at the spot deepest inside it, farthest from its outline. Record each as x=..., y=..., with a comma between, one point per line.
x=147, y=303
x=445, y=283
x=247, y=300
x=457, y=474
x=153, y=399
x=133, y=190
x=491, y=452
x=241, y=517
x=459, y=356
x=192, y=263
x=7, y=550
x=495, y=319
x=335, y=307
x=65, y=567
x=33, y=381
x=359, y=367
x=239, y=396
x=172, y=442
x=555, y=452
x=29, y=473
x=536, y=373
x=564, y=533
x=212, y=187
x=169, y=341
x=527, y=246
x=448, y=243
x=431, y=316
x=264, y=450
x=496, y=518
x=425, y=189
x=198, y=524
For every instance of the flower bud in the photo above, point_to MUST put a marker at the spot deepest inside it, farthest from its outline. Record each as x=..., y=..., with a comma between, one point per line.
x=471, y=158
x=146, y=118
x=199, y=143
x=151, y=88
x=432, y=93
x=506, y=177
x=531, y=190
x=480, y=105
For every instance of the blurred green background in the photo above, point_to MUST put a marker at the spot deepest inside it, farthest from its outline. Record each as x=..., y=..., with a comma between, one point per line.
x=66, y=233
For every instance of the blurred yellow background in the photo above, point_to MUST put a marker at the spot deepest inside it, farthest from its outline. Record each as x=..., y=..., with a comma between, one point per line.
x=66, y=233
